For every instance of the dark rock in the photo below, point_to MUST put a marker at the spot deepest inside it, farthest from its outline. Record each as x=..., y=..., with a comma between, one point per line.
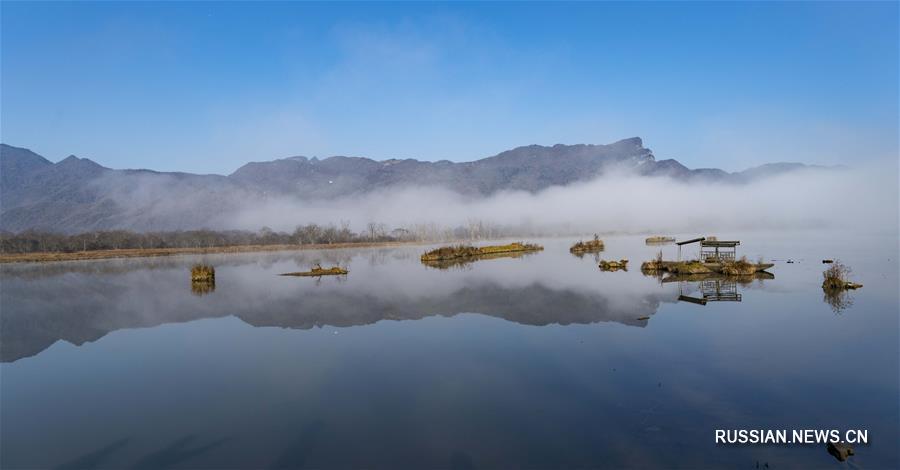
x=840, y=450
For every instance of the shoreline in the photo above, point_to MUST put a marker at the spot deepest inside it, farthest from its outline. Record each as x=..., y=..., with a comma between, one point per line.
x=49, y=257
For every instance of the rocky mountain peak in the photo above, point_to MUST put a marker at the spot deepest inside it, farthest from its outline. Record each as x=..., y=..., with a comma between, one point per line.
x=71, y=196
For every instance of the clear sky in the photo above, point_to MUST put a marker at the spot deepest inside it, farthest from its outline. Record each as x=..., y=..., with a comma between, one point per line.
x=206, y=87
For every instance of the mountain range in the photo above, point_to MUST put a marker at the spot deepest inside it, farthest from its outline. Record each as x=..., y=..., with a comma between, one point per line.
x=77, y=194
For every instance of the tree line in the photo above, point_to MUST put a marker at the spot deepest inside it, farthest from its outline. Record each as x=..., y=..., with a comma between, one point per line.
x=33, y=241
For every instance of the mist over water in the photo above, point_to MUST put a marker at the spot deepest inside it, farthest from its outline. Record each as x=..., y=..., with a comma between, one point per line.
x=619, y=201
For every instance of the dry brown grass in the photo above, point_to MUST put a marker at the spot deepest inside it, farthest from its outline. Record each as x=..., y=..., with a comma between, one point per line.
x=690, y=267
x=43, y=257
x=587, y=246
x=203, y=279
x=203, y=273
x=447, y=253
x=739, y=267
x=656, y=264
x=837, y=277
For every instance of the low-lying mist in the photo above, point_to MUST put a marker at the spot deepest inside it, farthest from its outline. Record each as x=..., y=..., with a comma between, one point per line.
x=619, y=201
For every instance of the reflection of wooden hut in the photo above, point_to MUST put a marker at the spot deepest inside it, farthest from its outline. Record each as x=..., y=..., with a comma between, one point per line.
x=717, y=290
x=693, y=300
x=712, y=290
x=713, y=251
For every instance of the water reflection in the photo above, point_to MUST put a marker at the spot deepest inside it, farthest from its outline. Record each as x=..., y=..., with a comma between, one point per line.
x=107, y=304
x=711, y=287
x=714, y=290
x=118, y=294
x=462, y=368
x=838, y=299
x=595, y=255
x=718, y=290
x=201, y=288
x=300, y=259
x=388, y=285
x=468, y=261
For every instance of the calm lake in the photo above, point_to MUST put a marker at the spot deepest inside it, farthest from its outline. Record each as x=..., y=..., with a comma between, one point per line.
x=541, y=361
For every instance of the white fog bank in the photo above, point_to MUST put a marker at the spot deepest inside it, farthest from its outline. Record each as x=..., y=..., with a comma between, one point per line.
x=865, y=199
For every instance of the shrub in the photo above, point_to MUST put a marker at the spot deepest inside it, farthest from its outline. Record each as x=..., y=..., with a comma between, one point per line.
x=203, y=273
x=836, y=276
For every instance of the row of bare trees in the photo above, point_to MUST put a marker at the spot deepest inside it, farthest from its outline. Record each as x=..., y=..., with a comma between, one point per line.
x=31, y=241
x=41, y=241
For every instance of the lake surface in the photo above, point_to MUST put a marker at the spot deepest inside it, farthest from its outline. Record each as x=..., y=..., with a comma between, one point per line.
x=542, y=361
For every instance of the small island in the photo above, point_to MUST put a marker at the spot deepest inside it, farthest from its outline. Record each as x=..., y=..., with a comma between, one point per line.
x=836, y=278
x=203, y=273
x=716, y=256
x=318, y=270
x=656, y=239
x=457, y=252
x=203, y=279
x=591, y=246
x=739, y=267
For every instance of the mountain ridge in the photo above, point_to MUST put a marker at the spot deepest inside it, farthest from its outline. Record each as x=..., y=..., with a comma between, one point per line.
x=78, y=194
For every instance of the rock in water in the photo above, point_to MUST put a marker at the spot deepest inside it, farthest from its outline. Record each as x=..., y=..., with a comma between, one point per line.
x=840, y=450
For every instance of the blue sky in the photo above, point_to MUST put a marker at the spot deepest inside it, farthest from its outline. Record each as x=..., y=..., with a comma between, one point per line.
x=206, y=87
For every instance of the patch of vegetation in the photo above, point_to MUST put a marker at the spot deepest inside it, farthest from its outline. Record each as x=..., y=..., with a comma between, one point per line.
x=656, y=264
x=689, y=267
x=659, y=239
x=447, y=253
x=739, y=267
x=203, y=279
x=714, y=276
x=587, y=247
x=203, y=273
x=837, y=278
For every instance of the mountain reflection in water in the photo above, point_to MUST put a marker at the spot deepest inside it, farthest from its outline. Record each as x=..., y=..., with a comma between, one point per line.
x=104, y=299
x=515, y=362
